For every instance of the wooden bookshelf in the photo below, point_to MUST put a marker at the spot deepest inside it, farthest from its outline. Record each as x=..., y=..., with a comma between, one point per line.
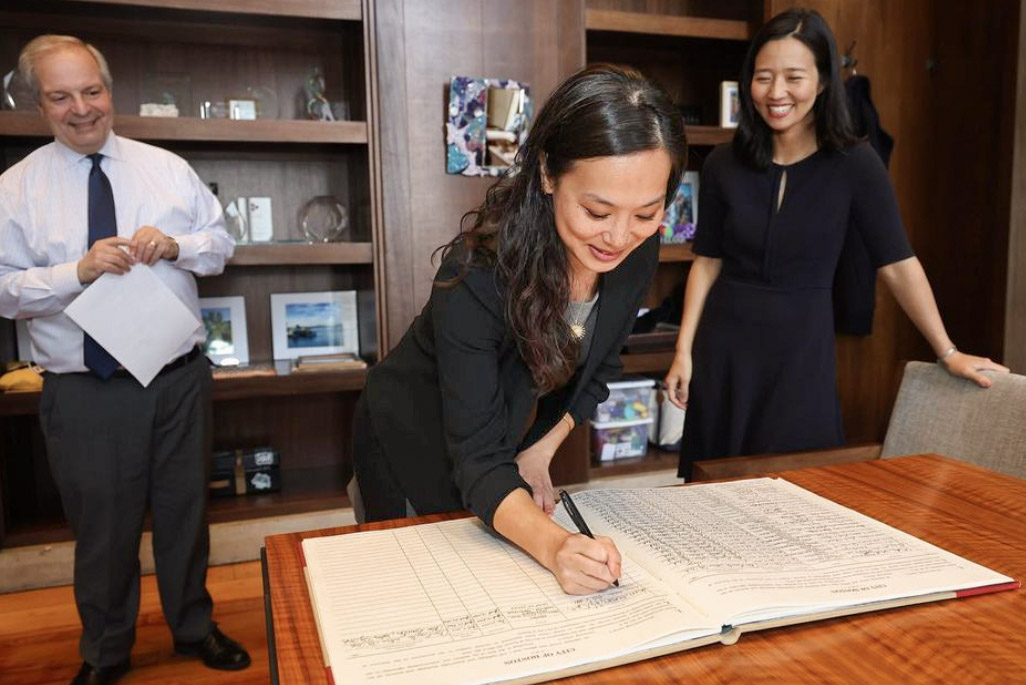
x=654, y=459
x=666, y=25
x=19, y=403
x=708, y=135
x=231, y=388
x=242, y=507
x=219, y=510
x=676, y=253
x=192, y=129
x=647, y=362
x=350, y=10
x=274, y=254
x=311, y=383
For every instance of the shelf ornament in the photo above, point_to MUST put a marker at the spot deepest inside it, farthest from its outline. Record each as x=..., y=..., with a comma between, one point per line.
x=487, y=122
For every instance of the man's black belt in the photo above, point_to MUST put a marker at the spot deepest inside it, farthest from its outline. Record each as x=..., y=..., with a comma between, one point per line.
x=172, y=365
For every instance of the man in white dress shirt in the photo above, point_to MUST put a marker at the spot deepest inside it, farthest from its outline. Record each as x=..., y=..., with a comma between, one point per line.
x=87, y=204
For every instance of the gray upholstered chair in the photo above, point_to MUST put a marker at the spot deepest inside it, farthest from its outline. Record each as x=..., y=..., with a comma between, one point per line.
x=936, y=412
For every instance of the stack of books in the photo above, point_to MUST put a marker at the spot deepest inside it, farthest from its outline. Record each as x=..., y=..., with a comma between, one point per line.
x=343, y=361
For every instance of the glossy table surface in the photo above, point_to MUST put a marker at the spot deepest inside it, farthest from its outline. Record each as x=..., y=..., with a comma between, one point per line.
x=967, y=510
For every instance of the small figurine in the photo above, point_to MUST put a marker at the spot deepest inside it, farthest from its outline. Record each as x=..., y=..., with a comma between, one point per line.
x=317, y=106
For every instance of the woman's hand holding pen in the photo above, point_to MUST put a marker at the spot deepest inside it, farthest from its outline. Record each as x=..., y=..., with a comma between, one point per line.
x=580, y=564
x=583, y=565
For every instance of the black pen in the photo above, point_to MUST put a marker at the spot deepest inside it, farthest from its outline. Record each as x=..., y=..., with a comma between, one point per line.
x=578, y=520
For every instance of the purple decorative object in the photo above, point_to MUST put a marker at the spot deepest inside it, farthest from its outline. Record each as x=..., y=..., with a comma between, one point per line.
x=682, y=215
x=467, y=129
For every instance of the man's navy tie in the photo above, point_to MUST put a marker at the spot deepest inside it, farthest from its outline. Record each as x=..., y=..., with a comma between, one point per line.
x=102, y=224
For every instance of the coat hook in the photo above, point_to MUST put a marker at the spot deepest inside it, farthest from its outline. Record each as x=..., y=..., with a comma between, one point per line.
x=849, y=61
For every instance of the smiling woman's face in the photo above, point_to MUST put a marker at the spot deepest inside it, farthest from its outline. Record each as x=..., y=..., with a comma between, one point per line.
x=784, y=86
x=606, y=206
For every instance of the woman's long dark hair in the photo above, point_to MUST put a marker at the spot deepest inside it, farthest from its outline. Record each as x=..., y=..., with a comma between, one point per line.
x=753, y=141
x=600, y=111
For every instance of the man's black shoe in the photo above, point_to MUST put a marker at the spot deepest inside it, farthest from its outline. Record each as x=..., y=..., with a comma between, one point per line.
x=217, y=650
x=104, y=675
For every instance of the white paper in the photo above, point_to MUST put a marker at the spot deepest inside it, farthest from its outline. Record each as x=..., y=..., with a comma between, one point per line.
x=452, y=603
x=763, y=548
x=261, y=228
x=136, y=318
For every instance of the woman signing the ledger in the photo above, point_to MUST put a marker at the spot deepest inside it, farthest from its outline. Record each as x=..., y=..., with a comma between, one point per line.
x=755, y=357
x=531, y=304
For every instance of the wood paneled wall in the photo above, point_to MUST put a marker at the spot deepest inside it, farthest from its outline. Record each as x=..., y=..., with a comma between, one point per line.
x=421, y=44
x=739, y=10
x=1015, y=305
x=973, y=111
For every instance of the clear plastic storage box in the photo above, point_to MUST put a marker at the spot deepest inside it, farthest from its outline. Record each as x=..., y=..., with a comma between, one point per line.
x=629, y=400
x=619, y=439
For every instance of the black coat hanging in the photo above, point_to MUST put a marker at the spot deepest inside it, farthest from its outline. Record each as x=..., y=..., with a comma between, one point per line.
x=854, y=289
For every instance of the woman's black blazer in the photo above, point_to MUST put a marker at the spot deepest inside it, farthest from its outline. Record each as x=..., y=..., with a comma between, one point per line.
x=451, y=403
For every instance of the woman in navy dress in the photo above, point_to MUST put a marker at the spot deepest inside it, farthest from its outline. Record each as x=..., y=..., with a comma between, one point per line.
x=754, y=364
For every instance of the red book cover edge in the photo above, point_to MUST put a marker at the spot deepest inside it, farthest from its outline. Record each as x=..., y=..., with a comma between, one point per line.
x=987, y=589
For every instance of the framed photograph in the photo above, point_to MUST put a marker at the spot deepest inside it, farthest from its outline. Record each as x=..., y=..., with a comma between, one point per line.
x=730, y=104
x=304, y=324
x=224, y=319
x=682, y=215
x=242, y=109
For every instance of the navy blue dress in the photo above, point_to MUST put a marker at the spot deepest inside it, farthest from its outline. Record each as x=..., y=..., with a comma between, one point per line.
x=764, y=376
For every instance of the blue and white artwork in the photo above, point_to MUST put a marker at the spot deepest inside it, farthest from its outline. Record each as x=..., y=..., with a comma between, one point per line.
x=314, y=324
x=307, y=324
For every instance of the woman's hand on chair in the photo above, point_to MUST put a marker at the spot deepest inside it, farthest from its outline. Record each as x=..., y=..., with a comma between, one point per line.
x=969, y=366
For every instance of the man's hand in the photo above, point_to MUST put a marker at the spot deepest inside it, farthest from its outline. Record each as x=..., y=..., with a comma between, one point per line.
x=150, y=245
x=105, y=256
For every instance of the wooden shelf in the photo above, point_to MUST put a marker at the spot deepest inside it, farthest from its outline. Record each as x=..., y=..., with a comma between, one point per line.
x=287, y=385
x=676, y=253
x=708, y=135
x=27, y=403
x=647, y=362
x=19, y=403
x=219, y=510
x=666, y=25
x=654, y=460
x=302, y=253
x=243, y=507
x=28, y=124
x=321, y=9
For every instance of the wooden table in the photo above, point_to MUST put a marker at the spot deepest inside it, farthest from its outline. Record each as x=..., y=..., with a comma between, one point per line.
x=967, y=510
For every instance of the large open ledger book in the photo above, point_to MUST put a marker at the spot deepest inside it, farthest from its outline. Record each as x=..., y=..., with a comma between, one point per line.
x=452, y=603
